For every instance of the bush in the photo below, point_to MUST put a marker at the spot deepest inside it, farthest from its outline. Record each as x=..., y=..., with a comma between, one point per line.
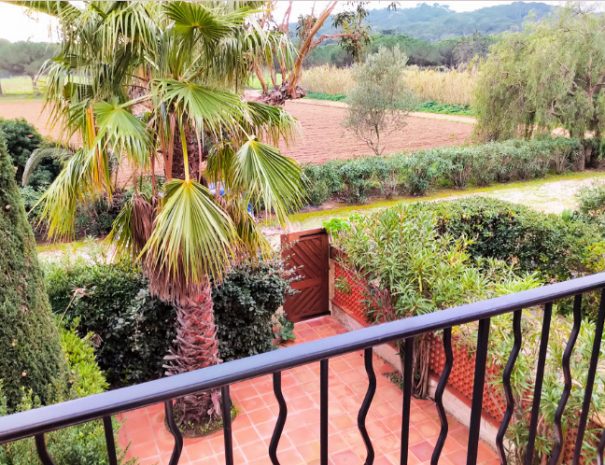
x=78, y=445
x=530, y=240
x=415, y=269
x=244, y=304
x=21, y=140
x=31, y=355
x=416, y=173
x=134, y=330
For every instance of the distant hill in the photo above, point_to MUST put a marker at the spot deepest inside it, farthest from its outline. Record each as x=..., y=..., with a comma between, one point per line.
x=438, y=22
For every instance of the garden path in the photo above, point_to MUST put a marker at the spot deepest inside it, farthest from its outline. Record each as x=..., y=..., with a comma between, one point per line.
x=150, y=441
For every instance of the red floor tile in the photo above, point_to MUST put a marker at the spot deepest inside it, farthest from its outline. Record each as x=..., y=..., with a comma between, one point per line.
x=145, y=431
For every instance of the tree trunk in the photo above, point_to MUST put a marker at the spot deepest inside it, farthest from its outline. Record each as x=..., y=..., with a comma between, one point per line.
x=1, y=92
x=193, y=150
x=420, y=364
x=306, y=46
x=35, y=85
x=196, y=346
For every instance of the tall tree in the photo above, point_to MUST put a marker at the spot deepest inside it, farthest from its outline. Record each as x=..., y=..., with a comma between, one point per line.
x=158, y=84
x=31, y=356
x=352, y=33
x=551, y=75
x=25, y=59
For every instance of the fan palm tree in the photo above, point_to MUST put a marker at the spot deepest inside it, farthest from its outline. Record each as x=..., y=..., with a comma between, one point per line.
x=158, y=85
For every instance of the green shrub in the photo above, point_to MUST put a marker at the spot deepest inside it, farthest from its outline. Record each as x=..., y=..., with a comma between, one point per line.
x=112, y=301
x=591, y=206
x=31, y=356
x=530, y=240
x=415, y=269
x=416, y=173
x=21, y=140
x=78, y=445
x=244, y=304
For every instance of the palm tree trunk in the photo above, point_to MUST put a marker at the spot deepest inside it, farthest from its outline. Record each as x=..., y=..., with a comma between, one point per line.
x=195, y=347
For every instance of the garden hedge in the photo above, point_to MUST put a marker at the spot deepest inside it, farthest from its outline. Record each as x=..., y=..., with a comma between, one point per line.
x=532, y=241
x=31, y=356
x=415, y=173
x=135, y=330
x=113, y=302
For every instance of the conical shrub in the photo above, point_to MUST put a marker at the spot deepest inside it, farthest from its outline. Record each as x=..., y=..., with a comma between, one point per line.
x=31, y=360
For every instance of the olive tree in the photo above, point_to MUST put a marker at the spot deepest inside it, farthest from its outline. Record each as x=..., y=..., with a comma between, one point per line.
x=549, y=76
x=380, y=100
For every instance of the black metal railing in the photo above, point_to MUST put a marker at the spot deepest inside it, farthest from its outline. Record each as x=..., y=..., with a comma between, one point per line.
x=35, y=423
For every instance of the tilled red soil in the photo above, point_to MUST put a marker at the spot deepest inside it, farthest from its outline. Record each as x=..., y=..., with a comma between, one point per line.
x=322, y=136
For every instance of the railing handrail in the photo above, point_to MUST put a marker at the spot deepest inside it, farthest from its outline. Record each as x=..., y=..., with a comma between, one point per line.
x=52, y=417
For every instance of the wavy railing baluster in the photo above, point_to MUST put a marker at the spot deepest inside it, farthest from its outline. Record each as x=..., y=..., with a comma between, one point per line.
x=478, y=385
x=176, y=433
x=577, y=321
x=508, y=391
x=227, y=431
x=42, y=451
x=110, y=441
x=408, y=366
x=445, y=374
x=323, y=411
x=281, y=418
x=365, y=406
x=535, y=408
x=590, y=377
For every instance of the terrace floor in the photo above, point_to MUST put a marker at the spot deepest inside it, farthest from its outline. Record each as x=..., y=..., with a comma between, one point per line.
x=151, y=442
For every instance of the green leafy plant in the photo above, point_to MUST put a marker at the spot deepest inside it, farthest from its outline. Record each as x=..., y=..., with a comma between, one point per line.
x=412, y=268
x=77, y=445
x=133, y=330
x=416, y=173
x=529, y=240
x=245, y=303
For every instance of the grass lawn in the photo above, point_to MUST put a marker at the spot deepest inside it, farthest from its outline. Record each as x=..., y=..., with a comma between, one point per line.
x=19, y=86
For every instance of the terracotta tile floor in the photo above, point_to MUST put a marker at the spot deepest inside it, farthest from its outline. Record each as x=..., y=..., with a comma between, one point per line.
x=150, y=441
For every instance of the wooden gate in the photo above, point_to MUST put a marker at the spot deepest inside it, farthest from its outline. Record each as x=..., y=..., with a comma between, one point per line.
x=309, y=253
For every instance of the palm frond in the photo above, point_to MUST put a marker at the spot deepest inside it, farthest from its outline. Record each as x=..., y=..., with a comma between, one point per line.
x=269, y=178
x=132, y=227
x=194, y=20
x=58, y=8
x=207, y=107
x=77, y=182
x=122, y=132
x=34, y=160
x=193, y=239
x=270, y=122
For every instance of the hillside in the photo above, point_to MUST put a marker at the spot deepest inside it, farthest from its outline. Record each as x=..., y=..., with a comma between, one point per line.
x=437, y=22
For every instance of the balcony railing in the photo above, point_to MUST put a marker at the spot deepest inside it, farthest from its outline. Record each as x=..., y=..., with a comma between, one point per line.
x=35, y=423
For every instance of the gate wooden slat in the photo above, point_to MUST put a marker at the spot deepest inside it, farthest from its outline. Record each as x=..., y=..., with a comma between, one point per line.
x=309, y=253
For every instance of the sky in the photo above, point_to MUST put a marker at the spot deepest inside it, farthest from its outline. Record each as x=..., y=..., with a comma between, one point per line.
x=17, y=24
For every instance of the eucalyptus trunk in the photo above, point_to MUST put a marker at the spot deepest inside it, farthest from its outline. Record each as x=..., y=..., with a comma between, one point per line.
x=196, y=346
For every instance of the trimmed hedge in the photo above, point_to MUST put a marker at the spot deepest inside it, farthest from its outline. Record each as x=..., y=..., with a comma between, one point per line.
x=30, y=355
x=415, y=173
x=112, y=301
x=134, y=331
x=77, y=445
x=530, y=240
